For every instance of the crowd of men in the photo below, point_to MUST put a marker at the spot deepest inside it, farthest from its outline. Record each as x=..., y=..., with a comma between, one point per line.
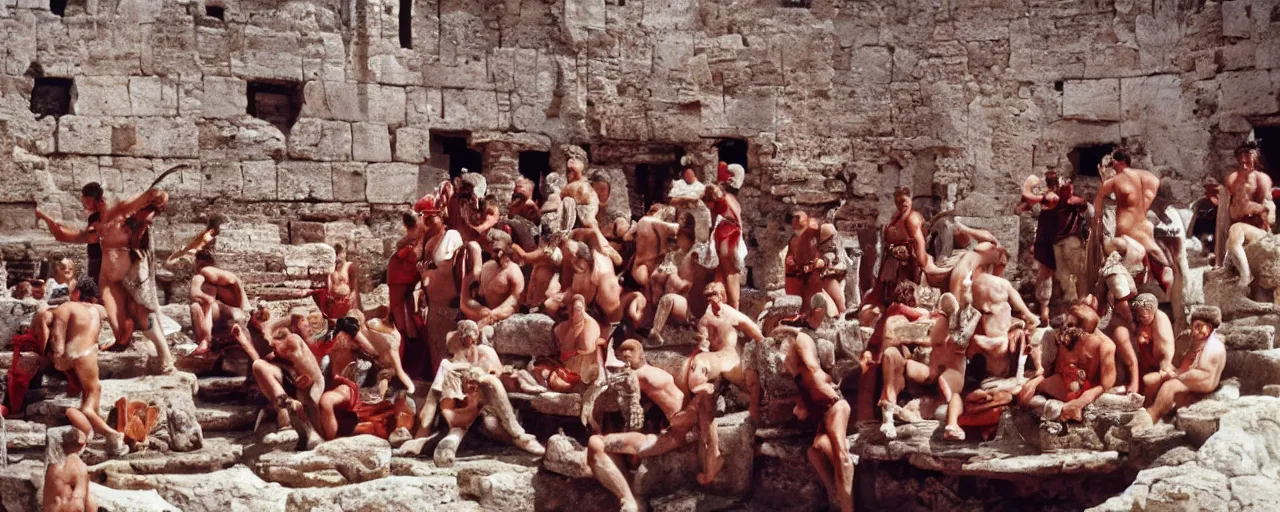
x=613, y=285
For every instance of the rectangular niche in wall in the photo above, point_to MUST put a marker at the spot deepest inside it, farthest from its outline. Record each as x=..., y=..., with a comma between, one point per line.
x=1268, y=138
x=449, y=150
x=278, y=103
x=51, y=96
x=215, y=11
x=535, y=165
x=1085, y=159
x=406, y=24
x=58, y=7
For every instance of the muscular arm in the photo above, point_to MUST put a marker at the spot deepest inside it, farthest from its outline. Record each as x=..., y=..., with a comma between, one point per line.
x=748, y=326
x=1107, y=373
x=1164, y=341
x=132, y=205
x=67, y=234
x=979, y=235
x=915, y=224
x=197, y=291
x=192, y=247
x=1015, y=299
x=511, y=304
x=1203, y=377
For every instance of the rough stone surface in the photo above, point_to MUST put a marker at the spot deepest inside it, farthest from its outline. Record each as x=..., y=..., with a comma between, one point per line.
x=337, y=462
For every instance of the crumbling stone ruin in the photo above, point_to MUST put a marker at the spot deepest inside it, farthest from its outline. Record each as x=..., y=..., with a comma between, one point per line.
x=309, y=124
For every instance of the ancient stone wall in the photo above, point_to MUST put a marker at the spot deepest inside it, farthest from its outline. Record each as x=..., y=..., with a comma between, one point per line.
x=317, y=120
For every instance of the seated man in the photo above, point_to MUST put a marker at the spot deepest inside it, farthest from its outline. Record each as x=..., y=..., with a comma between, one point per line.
x=341, y=291
x=1250, y=208
x=218, y=304
x=821, y=400
x=581, y=361
x=491, y=291
x=522, y=203
x=901, y=308
x=1145, y=346
x=466, y=388
x=544, y=265
x=374, y=339
x=673, y=285
x=716, y=358
x=998, y=338
x=342, y=412
x=1085, y=368
x=945, y=368
x=73, y=348
x=1198, y=374
x=591, y=275
x=66, y=479
x=291, y=363
x=659, y=387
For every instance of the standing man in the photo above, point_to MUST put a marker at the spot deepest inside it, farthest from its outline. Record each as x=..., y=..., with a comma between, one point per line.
x=904, y=256
x=1251, y=210
x=73, y=348
x=1135, y=189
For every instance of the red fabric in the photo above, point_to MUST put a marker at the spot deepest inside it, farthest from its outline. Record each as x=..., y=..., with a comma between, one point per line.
x=332, y=306
x=321, y=348
x=722, y=172
x=428, y=205
x=19, y=379
x=402, y=269
x=727, y=230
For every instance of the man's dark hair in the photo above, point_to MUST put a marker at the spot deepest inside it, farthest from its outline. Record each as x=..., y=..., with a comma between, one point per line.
x=905, y=293
x=599, y=177
x=215, y=223
x=88, y=289
x=92, y=190
x=1070, y=336
x=1120, y=156
x=410, y=221
x=348, y=325
x=204, y=258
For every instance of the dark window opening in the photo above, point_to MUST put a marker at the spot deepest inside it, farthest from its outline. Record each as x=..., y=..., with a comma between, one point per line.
x=449, y=150
x=1057, y=86
x=733, y=151
x=406, y=24
x=1268, y=138
x=215, y=11
x=58, y=7
x=653, y=182
x=535, y=165
x=51, y=96
x=1085, y=159
x=796, y=3
x=278, y=103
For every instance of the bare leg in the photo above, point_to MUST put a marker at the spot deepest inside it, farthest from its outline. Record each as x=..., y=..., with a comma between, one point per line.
x=269, y=378
x=327, y=422
x=447, y=450
x=115, y=303
x=712, y=461
x=669, y=304
x=949, y=385
x=605, y=467
x=1166, y=398
x=1044, y=291
x=399, y=297
x=835, y=290
x=85, y=369
x=155, y=333
x=498, y=406
x=836, y=425
x=1150, y=386
x=202, y=324
x=820, y=455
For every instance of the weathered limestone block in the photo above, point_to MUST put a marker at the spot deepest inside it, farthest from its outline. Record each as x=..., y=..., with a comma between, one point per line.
x=20, y=484
x=1240, y=93
x=319, y=139
x=237, y=488
x=413, y=144
x=84, y=135
x=241, y=138
x=300, y=181
x=341, y=461
x=103, y=96
x=1248, y=337
x=223, y=97
x=386, y=104
x=350, y=181
x=332, y=100
x=371, y=142
x=14, y=313
x=1185, y=487
x=167, y=392
x=185, y=431
x=114, y=500
x=1255, y=369
x=496, y=485
x=308, y=259
x=390, y=493
x=1091, y=100
x=153, y=96
x=1200, y=420
x=158, y=137
x=392, y=183
x=785, y=480
x=525, y=335
x=1247, y=442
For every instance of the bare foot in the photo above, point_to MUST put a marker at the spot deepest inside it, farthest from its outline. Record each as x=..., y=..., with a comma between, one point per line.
x=414, y=446
x=953, y=433
x=201, y=349
x=629, y=506
x=529, y=444
x=710, y=474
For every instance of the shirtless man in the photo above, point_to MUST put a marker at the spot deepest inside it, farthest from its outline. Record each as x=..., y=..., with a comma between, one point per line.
x=1085, y=369
x=611, y=225
x=998, y=338
x=1198, y=374
x=439, y=284
x=498, y=283
x=522, y=203
x=821, y=401
x=126, y=280
x=93, y=202
x=218, y=302
x=716, y=358
x=1251, y=210
x=581, y=361
x=803, y=263
x=374, y=339
x=674, y=285
x=544, y=263
x=341, y=291
x=591, y=275
x=73, y=349
x=658, y=386
x=1145, y=345
x=467, y=388
x=946, y=368
x=579, y=194
x=904, y=255
x=652, y=235
x=1135, y=190
x=292, y=359
x=66, y=481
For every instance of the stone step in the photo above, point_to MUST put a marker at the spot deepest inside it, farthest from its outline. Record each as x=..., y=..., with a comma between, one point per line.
x=1248, y=337
x=226, y=417
x=223, y=389
x=1254, y=368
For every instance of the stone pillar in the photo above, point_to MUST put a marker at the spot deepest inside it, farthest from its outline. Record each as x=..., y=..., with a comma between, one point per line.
x=501, y=163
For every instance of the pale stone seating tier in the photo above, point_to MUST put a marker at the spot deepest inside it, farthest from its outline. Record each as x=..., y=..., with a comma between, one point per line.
x=177, y=428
